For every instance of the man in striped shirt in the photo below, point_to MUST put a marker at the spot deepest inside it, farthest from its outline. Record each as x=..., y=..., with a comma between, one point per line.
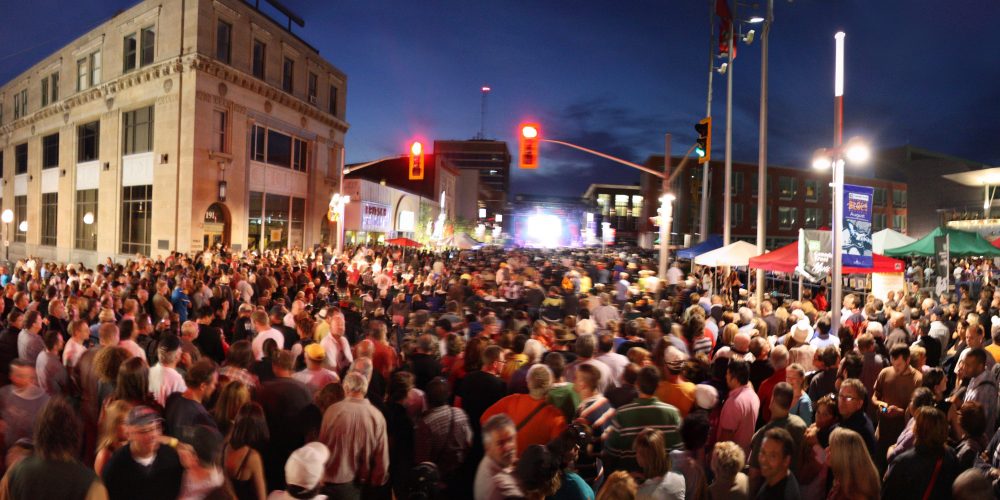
x=596, y=412
x=645, y=412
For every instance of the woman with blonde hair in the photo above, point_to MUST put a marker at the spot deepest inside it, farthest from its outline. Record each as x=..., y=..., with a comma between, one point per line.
x=728, y=460
x=619, y=486
x=854, y=474
x=232, y=397
x=651, y=455
x=112, y=432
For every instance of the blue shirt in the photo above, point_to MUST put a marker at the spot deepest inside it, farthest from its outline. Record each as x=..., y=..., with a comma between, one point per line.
x=573, y=488
x=181, y=303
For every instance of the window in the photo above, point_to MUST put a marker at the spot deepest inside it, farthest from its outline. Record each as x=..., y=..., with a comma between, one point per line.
x=899, y=223
x=297, y=222
x=20, y=215
x=50, y=213
x=878, y=222
x=95, y=68
x=1, y=163
x=86, y=234
x=737, y=214
x=257, y=143
x=219, y=131
x=50, y=89
x=880, y=195
x=137, y=203
x=276, y=221
x=88, y=137
x=899, y=198
x=254, y=220
x=787, y=217
x=333, y=100
x=812, y=220
x=82, y=72
x=812, y=190
x=313, y=83
x=299, y=154
x=787, y=187
x=287, y=72
x=279, y=149
x=636, y=205
x=753, y=185
x=21, y=104
x=139, y=49
x=621, y=205
x=753, y=213
x=223, y=41
x=259, y=58
x=21, y=159
x=737, y=185
x=604, y=204
x=50, y=151
x=138, y=134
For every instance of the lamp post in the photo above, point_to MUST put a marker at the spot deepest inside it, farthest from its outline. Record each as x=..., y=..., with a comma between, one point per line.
x=7, y=217
x=337, y=202
x=762, y=150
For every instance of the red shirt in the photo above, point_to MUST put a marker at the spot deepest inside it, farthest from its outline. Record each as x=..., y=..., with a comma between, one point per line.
x=384, y=359
x=766, y=390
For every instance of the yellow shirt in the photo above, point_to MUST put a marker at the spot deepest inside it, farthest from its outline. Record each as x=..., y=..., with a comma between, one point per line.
x=994, y=350
x=679, y=395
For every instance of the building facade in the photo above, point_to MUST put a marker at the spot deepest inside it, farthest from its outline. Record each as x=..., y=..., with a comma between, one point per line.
x=796, y=198
x=175, y=125
x=490, y=159
x=622, y=206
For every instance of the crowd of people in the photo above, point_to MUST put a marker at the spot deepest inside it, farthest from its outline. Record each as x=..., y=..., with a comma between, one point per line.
x=487, y=374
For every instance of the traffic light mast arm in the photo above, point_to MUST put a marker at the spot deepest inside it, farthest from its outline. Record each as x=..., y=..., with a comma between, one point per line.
x=680, y=168
x=646, y=169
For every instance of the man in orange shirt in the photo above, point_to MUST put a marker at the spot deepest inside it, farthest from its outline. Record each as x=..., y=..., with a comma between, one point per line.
x=673, y=389
x=537, y=421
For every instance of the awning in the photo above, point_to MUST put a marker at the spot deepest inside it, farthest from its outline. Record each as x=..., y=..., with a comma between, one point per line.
x=961, y=244
x=711, y=243
x=735, y=254
x=784, y=260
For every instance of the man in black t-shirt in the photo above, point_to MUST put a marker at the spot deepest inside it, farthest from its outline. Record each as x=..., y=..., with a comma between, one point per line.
x=186, y=409
x=143, y=468
x=775, y=458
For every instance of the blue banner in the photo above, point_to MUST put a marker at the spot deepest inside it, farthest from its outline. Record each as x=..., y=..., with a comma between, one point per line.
x=856, y=236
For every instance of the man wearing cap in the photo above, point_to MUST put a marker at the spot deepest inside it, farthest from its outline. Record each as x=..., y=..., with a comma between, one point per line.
x=355, y=433
x=262, y=326
x=673, y=389
x=303, y=473
x=164, y=379
x=144, y=468
x=938, y=329
x=242, y=325
x=314, y=375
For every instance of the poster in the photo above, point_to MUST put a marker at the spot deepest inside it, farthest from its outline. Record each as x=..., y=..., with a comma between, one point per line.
x=856, y=234
x=942, y=255
x=815, y=254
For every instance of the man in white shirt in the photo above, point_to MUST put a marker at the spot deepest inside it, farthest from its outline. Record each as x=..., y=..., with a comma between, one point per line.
x=338, y=350
x=79, y=332
x=615, y=362
x=164, y=379
x=262, y=325
x=315, y=375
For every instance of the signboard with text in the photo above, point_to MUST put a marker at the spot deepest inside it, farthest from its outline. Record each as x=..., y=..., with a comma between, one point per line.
x=856, y=234
x=374, y=217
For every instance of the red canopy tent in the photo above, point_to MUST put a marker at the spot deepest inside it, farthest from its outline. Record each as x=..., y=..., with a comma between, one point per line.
x=996, y=242
x=784, y=260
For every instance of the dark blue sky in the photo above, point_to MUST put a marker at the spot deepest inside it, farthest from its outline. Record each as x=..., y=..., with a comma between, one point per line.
x=616, y=76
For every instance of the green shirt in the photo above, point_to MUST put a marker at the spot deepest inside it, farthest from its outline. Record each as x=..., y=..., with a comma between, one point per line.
x=564, y=398
x=633, y=418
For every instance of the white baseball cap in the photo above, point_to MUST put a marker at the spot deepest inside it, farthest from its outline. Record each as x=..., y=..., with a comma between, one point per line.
x=306, y=465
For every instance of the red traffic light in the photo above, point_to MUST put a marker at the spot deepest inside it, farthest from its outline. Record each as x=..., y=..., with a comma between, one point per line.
x=416, y=169
x=528, y=153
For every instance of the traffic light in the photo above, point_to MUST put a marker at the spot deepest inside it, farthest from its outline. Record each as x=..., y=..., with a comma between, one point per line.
x=416, y=161
x=703, y=148
x=528, y=157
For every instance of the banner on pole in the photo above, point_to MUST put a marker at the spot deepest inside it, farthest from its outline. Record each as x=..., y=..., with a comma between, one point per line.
x=942, y=253
x=856, y=235
x=815, y=254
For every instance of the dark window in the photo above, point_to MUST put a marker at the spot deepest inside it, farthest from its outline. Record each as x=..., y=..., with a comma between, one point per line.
x=287, y=74
x=300, y=154
x=333, y=100
x=128, y=53
x=148, y=41
x=898, y=199
x=276, y=221
x=297, y=222
x=255, y=219
x=86, y=234
x=138, y=134
x=21, y=159
x=45, y=92
x=259, y=55
x=137, y=203
x=279, y=149
x=1, y=163
x=224, y=42
x=50, y=212
x=88, y=137
x=50, y=151
x=20, y=218
x=313, y=83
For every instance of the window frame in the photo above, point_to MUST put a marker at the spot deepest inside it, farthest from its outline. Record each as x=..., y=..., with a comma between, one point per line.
x=258, y=67
x=20, y=214
x=49, y=219
x=288, y=75
x=21, y=158
x=50, y=152
x=83, y=203
x=130, y=128
x=85, y=134
x=224, y=52
x=129, y=224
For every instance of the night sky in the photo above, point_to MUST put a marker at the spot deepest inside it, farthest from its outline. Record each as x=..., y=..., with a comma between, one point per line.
x=616, y=76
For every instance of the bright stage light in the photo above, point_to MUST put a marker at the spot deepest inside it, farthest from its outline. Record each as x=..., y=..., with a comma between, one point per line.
x=544, y=230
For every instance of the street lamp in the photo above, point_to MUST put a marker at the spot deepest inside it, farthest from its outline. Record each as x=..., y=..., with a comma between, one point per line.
x=7, y=217
x=666, y=212
x=336, y=212
x=856, y=151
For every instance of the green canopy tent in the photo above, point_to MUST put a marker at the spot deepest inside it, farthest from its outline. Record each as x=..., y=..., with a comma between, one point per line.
x=963, y=244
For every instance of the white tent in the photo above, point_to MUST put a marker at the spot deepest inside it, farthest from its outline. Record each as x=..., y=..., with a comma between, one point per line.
x=461, y=241
x=736, y=254
x=888, y=239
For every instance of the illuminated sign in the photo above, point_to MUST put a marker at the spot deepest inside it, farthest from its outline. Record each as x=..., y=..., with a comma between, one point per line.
x=374, y=217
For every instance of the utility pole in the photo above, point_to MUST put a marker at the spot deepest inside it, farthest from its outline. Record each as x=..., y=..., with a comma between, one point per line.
x=762, y=158
x=706, y=169
x=727, y=209
x=666, y=206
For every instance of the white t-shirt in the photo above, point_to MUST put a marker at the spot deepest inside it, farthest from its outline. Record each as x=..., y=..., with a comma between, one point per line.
x=258, y=342
x=133, y=348
x=72, y=353
x=164, y=381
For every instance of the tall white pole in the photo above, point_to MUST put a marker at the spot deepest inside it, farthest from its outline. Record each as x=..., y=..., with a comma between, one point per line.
x=340, y=216
x=706, y=167
x=762, y=155
x=664, y=216
x=836, y=299
x=727, y=208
